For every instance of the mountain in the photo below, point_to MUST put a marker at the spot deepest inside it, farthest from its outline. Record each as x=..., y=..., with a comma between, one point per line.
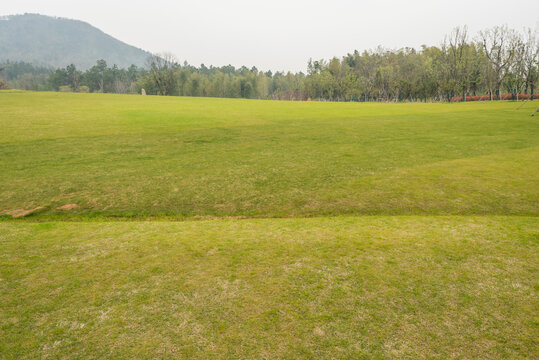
x=58, y=42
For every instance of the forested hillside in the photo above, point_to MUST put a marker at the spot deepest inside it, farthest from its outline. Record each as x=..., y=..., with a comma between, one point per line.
x=58, y=42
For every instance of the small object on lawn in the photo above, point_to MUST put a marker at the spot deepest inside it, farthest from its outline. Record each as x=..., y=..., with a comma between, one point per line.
x=525, y=101
x=533, y=113
x=143, y=92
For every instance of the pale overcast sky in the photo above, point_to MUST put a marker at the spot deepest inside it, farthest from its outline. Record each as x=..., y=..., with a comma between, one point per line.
x=280, y=34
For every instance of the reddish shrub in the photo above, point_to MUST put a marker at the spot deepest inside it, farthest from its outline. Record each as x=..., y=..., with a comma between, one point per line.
x=478, y=98
x=525, y=96
x=487, y=97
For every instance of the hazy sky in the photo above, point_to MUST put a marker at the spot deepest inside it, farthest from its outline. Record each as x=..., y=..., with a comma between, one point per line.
x=280, y=34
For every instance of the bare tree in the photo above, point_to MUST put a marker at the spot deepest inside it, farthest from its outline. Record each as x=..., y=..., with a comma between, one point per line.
x=530, y=57
x=517, y=78
x=459, y=58
x=120, y=86
x=163, y=68
x=499, y=46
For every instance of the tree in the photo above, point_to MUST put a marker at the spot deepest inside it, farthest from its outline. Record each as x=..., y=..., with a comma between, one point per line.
x=515, y=80
x=73, y=75
x=530, y=58
x=95, y=76
x=459, y=58
x=58, y=78
x=499, y=47
x=162, y=68
x=3, y=84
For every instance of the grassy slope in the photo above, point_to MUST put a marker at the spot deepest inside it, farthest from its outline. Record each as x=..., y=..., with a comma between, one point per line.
x=144, y=156
x=358, y=287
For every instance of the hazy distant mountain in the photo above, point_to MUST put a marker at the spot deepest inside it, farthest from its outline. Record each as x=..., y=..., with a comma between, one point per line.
x=58, y=42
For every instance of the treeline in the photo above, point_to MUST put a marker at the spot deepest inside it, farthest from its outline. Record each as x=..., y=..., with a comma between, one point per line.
x=165, y=76
x=496, y=60
x=162, y=76
x=24, y=76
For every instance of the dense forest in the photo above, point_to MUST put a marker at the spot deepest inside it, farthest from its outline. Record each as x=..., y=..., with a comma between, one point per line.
x=495, y=61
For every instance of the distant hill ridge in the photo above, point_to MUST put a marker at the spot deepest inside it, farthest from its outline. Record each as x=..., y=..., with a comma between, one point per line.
x=58, y=42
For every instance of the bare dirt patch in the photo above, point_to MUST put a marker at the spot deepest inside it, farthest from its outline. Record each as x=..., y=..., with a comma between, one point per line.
x=67, y=207
x=17, y=213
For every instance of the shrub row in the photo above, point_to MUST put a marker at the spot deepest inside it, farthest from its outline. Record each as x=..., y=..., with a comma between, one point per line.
x=487, y=97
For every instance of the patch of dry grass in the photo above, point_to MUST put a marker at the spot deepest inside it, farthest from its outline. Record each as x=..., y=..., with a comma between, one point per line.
x=325, y=288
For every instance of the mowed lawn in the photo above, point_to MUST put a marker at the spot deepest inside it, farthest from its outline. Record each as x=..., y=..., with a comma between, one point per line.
x=274, y=256
x=321, y=288
x=120, y=155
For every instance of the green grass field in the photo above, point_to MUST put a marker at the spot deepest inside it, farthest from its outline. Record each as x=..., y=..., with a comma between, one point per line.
x=200, y=228
x=183, y=157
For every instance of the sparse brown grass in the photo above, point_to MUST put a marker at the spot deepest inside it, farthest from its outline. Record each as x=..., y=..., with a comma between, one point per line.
x=325, y=288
